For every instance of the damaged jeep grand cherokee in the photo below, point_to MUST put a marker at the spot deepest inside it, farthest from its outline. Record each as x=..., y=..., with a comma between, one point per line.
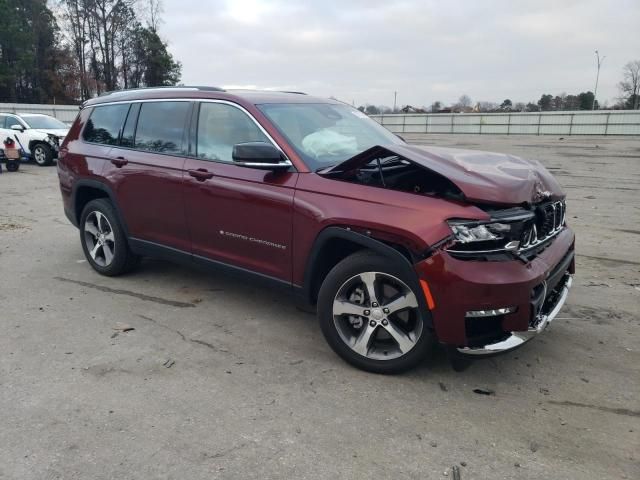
x=393, y=244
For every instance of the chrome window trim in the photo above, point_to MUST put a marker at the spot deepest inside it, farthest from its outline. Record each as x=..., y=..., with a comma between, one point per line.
x=287, y=161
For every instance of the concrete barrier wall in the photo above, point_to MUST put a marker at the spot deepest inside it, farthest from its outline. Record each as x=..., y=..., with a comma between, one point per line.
x=601, y=122
x=64, y=113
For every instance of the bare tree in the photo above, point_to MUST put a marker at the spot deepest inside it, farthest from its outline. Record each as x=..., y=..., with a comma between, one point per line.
x=630, y=85
x=75, y=15
x=486, y=106
x=155, y=11
x=464, y=101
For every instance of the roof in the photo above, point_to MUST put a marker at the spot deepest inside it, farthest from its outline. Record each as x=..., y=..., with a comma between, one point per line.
x=255, y=97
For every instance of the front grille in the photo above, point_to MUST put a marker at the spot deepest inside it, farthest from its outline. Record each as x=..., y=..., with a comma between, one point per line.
x=548, y=221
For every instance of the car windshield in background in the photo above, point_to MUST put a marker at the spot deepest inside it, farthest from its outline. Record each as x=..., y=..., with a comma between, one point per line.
x=43, y=122
x=325, y=134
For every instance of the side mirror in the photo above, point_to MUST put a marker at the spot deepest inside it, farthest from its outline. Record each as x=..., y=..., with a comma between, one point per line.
x=17, y=127
x=260, y=155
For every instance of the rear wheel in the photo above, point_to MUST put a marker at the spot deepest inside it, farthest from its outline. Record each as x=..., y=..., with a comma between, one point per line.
x=103, y=240
x=42, y=154
x=371, y=316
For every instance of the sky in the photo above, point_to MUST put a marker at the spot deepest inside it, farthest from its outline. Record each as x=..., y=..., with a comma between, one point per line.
x=362, y=51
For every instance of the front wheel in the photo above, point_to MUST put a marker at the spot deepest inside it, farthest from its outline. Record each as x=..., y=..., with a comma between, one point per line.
x=42, y=154
x=371, y=316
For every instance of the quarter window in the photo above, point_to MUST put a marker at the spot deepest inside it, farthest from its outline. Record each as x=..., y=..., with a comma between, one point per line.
x=105, y=123
x=161, y=126
x=220, y=127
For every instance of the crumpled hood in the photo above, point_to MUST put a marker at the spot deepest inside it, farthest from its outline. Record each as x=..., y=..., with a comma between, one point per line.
x=56, y=132
x=483, y=177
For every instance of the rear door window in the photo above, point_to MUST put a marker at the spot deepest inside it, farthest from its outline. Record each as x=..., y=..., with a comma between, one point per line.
x=105, y=123
x=161, y=127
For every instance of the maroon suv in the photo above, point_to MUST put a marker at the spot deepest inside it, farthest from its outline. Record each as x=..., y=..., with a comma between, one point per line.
x=395, y=244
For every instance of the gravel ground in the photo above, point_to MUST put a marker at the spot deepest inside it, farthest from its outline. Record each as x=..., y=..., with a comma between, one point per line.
x=220, y=379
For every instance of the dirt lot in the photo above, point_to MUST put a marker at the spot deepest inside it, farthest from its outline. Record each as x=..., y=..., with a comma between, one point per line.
x=220, y=379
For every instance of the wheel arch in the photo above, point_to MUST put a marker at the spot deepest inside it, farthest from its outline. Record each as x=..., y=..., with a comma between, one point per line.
x=86, y=190
x=333, y=244
x=35, y=141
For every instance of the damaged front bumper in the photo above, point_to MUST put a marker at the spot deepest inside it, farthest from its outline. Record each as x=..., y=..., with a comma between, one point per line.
x=516, y=339
x=489, y=307
x=54, y=143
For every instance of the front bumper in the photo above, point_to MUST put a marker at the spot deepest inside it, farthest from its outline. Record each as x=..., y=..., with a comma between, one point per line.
x=516, y=339
x=536, y=291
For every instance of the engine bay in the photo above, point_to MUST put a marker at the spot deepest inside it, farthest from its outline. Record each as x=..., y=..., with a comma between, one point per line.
x=397, y=173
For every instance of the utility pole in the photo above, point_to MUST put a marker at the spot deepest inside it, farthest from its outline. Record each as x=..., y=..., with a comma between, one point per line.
x=395, y=97
x=595, y=90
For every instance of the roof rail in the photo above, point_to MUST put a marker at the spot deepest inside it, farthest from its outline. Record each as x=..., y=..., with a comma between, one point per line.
x=176, y=87
x=291, y=91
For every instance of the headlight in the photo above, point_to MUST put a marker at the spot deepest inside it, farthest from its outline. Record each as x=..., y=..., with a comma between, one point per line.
x=472, y=238
x=511, y=230
x=466, y=233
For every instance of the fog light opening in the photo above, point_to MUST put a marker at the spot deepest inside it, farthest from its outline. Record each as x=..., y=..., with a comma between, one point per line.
x=494, y=312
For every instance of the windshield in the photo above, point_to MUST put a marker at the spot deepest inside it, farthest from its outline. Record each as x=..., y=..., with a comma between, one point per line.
x=43, y=122
x=325, y=134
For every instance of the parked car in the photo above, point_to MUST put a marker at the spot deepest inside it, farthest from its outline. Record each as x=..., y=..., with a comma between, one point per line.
x=39, y=135
x=393, y=244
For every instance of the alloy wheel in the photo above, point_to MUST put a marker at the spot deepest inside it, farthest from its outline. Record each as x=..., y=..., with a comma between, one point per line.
x=377, y=316
x=40, y=155
x=99, y=238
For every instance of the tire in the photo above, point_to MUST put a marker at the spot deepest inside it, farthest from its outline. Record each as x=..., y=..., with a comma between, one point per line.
x=42, y=154
x=103, y=239
x=400, y=338
x=13, y=165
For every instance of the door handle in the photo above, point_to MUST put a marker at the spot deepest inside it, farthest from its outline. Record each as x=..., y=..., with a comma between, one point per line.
x=119, y=161
x=201, y=174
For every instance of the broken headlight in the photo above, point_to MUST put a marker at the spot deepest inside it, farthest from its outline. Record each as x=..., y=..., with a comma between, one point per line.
x=466, y=233
x=515, y=230
x=490, y=237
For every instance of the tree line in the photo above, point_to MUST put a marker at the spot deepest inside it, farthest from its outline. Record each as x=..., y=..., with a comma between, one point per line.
x=629, y=99
x=81, y=48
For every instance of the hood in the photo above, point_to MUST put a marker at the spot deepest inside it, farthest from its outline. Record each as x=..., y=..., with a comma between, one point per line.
x=56, y=132
x=482, y=177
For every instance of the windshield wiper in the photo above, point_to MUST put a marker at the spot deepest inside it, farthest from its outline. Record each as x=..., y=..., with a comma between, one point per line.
x=325, y=168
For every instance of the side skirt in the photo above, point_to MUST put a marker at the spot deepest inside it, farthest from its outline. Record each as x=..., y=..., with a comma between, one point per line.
x=156, y=250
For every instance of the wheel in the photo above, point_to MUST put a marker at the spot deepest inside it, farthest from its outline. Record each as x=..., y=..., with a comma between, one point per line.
x=42, y=154
x=371, y=316
x=12, y=166
x=103, y=240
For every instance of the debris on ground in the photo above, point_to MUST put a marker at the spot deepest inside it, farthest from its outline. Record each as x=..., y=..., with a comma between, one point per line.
x=122, y=327
x=169, y=363
x=455, y=472
x=483, y=391
x=442, y=386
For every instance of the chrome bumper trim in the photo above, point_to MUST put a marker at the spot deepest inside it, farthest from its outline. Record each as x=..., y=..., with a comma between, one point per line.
x=517, y=339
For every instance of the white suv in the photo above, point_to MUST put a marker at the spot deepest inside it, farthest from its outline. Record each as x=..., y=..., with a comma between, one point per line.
x=39, y=135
